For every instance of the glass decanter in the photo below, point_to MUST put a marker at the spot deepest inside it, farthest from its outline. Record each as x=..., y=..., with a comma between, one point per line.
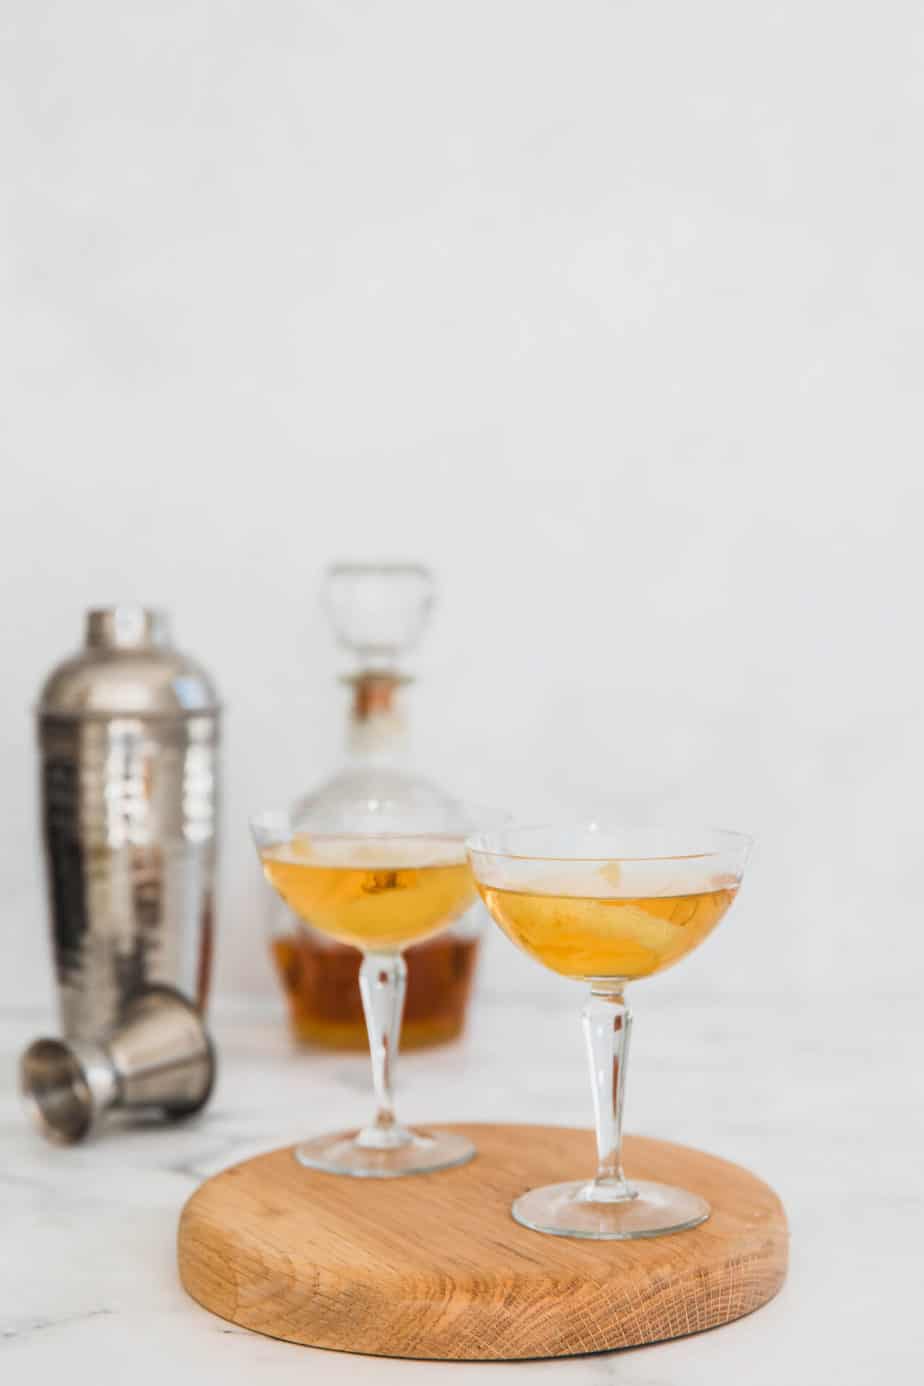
x=378, y=612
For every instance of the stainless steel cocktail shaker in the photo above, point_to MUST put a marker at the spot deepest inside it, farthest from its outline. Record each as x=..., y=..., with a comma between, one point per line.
x=129, y=746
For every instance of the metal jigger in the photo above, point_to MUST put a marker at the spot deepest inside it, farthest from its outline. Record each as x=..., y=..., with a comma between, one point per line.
x=158, y=1056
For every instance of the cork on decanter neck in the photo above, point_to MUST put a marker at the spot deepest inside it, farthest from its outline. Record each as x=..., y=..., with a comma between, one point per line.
x=375, y=693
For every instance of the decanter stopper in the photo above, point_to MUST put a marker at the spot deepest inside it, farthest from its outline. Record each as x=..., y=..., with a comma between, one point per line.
x=378, y=610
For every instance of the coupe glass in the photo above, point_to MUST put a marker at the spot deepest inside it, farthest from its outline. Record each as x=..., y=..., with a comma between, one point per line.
x=379, y=880
x=606, y=906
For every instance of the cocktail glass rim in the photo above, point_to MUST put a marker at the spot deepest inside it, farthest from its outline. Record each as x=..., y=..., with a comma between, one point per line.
x=481, y=842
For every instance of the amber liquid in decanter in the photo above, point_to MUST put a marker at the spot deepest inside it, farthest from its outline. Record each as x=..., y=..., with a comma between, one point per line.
x=320, y=982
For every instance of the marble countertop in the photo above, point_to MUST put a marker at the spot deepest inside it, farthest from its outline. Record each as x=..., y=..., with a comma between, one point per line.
x=823, y=1099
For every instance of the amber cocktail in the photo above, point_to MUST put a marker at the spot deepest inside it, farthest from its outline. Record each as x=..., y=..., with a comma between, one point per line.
x=379, y=891
x=605, y=907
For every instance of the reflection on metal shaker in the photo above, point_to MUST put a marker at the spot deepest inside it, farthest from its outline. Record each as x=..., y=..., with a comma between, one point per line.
x=129, y=747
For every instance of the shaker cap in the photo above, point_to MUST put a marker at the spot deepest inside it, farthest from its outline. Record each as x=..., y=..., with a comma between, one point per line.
x=129, y=668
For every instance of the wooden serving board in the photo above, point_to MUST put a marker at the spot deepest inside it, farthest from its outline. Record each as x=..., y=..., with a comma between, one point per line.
x=434, y=1266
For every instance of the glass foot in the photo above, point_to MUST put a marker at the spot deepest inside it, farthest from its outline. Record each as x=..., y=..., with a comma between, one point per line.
x=410, y=1152
x=575, y=1210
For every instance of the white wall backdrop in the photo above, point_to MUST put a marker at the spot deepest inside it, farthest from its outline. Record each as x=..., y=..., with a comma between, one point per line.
x=610, y=311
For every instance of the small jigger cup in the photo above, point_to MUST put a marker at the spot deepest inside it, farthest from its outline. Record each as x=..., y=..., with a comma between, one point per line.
x=158, y=1056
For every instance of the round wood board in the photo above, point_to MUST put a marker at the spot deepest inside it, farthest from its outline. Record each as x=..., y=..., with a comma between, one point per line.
x=434, y=1266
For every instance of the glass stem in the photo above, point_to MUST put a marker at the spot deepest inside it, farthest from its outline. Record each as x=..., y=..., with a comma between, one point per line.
x=607, y=1024
x=382, y=980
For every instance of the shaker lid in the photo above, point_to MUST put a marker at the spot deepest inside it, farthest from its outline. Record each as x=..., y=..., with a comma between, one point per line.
x=127, y=668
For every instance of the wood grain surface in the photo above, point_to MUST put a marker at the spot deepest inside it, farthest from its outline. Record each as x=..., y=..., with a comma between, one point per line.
x=433, y=1266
